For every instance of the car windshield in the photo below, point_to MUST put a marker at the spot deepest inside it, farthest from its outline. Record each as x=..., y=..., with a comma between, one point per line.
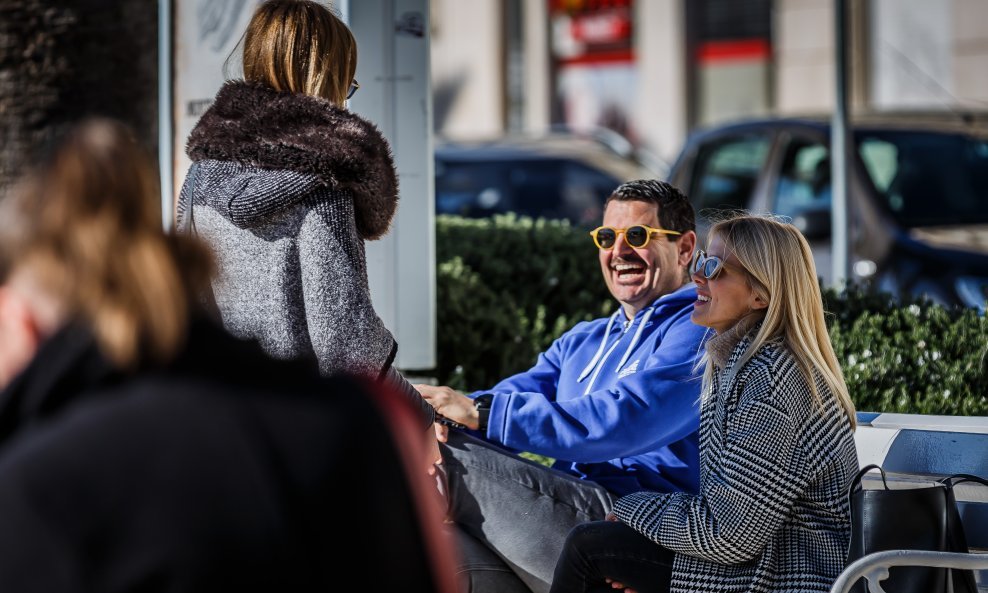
x=928, y=178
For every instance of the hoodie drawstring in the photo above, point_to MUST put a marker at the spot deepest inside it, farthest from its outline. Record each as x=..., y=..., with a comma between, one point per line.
x=597, y=363
x=603, y=342
x=635, y=338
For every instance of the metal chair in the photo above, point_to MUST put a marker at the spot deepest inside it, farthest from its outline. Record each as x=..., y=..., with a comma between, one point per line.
x=875, y=567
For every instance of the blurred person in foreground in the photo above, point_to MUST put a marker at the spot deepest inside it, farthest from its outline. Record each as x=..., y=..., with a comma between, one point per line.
x=776, y=441
x=286, y=185
x=143, y=448
x=613, y=400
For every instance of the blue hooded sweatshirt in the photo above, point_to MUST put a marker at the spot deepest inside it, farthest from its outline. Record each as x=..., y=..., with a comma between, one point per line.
x=613, y=401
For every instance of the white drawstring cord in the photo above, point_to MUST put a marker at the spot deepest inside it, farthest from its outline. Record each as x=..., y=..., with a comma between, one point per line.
x=593, y=377
x=603, y=343
x=634, y=339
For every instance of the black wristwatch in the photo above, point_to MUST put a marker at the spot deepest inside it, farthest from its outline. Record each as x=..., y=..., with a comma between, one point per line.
x=483, y=405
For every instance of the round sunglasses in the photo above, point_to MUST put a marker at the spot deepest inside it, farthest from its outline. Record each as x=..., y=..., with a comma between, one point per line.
x=709, y=266
x=637, y=236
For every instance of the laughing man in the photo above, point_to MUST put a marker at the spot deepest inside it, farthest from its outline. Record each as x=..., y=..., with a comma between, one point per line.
x=614, y=401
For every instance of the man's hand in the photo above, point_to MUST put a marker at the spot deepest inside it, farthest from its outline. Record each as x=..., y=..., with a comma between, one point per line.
x=451, y=404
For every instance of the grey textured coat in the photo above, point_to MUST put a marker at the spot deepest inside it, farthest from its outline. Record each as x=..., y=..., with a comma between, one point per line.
x=285, y=188
x=772, y=513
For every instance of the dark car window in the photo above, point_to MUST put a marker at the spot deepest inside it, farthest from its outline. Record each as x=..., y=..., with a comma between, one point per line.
x=926, y=178
x=804, y=179
x=726, y=173
x=548, y=188
x=469, y=189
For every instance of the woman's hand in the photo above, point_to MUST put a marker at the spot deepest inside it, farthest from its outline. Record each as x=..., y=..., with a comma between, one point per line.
x=442, y=432
x=437, y=473
x=616, y=585
x=451, y=404
x=432, y=455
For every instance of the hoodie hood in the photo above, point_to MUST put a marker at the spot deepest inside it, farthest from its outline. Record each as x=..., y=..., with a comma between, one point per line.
x=249, y=197
x=321, y=144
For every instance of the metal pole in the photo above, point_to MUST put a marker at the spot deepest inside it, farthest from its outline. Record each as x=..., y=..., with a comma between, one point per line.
x=839, y=150
x=165, y=130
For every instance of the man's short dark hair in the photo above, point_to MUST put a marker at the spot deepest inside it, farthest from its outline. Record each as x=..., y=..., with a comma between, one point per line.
x=675, y=211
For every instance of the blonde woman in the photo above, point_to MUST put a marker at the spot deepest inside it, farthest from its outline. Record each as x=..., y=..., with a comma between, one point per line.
x=776, y=445
x=286, y=185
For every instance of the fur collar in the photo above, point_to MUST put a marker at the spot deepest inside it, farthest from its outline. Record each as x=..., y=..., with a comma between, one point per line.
x=255, y=125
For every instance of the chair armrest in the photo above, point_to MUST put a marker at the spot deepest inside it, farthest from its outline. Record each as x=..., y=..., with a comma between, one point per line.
x=874, y=567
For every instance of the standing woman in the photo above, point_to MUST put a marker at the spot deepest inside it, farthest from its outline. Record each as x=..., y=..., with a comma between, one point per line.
x=286, y=185
x=776, y=444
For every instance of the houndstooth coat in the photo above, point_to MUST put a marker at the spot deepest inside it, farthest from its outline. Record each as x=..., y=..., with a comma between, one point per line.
x=772, y=512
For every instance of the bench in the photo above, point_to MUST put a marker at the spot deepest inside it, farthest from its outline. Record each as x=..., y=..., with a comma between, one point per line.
x=916, y=450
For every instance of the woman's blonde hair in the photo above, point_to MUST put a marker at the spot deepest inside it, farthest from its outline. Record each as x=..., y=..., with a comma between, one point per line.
x=782, y=273
x=299, y=46
x=86, y=227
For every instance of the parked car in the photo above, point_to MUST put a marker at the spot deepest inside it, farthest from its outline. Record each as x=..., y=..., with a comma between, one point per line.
x=559, y=176
x=917, y=198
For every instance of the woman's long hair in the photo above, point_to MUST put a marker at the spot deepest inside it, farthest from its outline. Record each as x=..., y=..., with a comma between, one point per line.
x=299, y=46
x=85, y=226
x=781, y=271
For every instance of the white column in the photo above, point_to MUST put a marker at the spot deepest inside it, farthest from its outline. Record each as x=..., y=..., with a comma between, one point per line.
x=393, y=70
x=467, y=66
x=804, y=55
x=537, y=74
x=660, y=53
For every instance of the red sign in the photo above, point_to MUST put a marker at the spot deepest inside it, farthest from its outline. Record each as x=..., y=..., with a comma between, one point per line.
x=602, y=28
x=591, y=31
x=758, y=50
x=575, y=6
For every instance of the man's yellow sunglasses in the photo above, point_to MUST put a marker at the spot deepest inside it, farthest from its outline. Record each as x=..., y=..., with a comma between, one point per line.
x=637, y=236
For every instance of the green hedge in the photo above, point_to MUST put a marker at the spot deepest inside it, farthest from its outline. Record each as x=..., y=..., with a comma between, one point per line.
x=508, y=286
x=914, y=357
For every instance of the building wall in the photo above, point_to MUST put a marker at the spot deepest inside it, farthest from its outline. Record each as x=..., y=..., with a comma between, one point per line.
x=804, y=61
x=970, y=50
x=922, y=54
x=904, y=54
x=911, y=53
x=930, y=54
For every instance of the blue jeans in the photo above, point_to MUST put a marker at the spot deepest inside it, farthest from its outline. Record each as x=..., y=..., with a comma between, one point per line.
x=608, y=549
x=520, y=512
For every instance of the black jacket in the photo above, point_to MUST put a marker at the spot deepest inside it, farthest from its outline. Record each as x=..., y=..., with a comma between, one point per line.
x=223, y=471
